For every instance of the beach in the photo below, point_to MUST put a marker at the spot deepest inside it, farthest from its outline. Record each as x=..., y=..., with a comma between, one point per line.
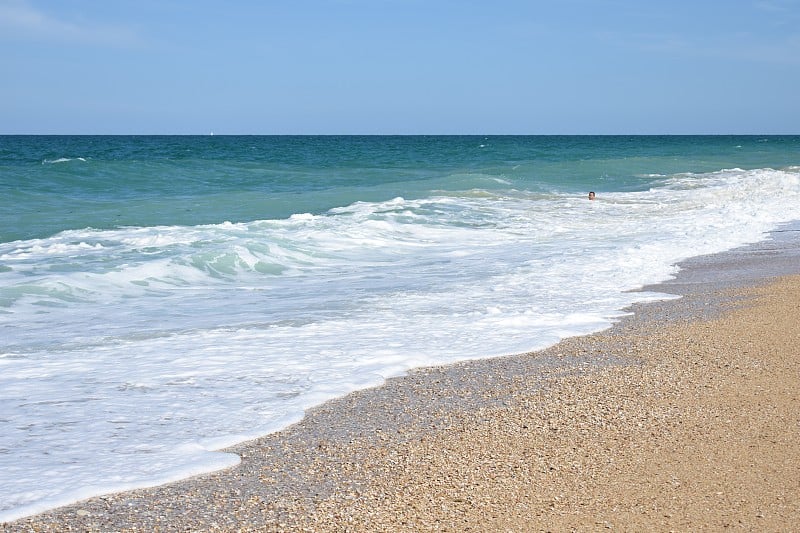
x=683, y=416
x=234, y=284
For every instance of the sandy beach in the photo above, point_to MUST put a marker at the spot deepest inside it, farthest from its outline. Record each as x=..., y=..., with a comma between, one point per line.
x=685, y=416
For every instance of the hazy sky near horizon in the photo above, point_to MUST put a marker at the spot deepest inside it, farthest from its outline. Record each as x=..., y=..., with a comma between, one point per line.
x=399, y=67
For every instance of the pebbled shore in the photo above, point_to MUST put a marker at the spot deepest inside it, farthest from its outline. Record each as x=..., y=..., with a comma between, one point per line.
x=684, y=416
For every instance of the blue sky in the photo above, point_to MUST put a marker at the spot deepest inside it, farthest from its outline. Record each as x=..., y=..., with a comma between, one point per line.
x=399, y=66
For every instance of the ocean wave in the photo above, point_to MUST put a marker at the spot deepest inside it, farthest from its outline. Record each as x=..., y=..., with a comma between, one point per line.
x=62, y=160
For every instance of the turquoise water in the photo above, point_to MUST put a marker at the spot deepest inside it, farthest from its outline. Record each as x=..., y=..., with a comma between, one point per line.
x=54, y=183
x=164, y=297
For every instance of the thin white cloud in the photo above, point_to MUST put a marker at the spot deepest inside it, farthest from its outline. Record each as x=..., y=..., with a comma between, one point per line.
x=19, y=19
x=781, y=7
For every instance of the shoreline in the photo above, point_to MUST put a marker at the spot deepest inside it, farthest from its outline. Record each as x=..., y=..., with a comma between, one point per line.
x=412, y=454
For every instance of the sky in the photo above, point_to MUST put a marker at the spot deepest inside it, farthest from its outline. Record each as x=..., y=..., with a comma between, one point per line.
x=399, y=67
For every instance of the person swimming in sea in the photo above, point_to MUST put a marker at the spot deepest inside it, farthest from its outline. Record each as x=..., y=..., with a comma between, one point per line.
x=591, y=195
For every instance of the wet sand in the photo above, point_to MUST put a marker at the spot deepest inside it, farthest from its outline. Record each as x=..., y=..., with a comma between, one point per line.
x=684, y=416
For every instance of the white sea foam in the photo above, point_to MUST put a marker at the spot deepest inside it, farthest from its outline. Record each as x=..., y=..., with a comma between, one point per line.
x=62, y=160
x=131, y=355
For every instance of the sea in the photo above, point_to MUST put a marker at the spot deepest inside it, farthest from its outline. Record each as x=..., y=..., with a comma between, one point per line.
x=165, y=297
